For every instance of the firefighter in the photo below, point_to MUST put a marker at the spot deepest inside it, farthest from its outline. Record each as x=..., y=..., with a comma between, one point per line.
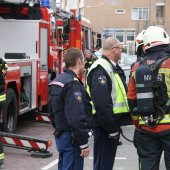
x=3, y=70
x=139, y=45
x=107, y=88
x=70, y=107
x=149, y=100
x=88, y=60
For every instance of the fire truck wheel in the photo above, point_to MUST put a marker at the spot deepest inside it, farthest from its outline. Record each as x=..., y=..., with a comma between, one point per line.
x=10, y=111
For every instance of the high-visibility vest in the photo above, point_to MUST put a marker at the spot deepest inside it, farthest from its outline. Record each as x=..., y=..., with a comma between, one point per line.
x=1, y=156
x=118, y=93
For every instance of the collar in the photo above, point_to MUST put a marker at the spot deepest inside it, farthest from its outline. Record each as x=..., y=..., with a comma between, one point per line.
x=113, y=62
x=74, y=75
x=110, y=61
x=67, y=70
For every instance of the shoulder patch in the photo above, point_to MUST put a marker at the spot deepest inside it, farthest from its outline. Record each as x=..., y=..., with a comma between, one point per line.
x=102, y=80
x=78, y=96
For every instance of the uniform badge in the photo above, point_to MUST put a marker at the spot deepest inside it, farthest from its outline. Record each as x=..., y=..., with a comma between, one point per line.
x=78, y=96
x=102, y=80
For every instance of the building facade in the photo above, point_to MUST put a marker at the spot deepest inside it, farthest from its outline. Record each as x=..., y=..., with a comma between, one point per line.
x=124, y=19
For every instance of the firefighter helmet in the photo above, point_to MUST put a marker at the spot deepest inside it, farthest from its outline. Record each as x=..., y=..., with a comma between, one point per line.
x=139, y=39
x=155, y=36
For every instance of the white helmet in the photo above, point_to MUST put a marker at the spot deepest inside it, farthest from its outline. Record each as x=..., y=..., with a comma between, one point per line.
x=139, y=39
x=155, y=36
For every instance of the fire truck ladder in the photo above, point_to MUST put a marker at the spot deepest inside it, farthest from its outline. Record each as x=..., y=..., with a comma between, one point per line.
x=37, y=147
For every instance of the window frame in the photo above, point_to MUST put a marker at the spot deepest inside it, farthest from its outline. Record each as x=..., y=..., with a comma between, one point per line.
x=138, y=13
x=123, y=11
x=123, y=34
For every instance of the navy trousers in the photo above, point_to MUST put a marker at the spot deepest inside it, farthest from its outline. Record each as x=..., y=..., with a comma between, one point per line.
x=150, y=148
x=69, y=155
x=104, y=150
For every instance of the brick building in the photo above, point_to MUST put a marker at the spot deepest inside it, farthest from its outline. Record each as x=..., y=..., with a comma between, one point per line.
x=123, y=19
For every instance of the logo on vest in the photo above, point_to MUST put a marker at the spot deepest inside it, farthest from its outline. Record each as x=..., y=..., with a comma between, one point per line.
x=102, y=80
x=78, y=96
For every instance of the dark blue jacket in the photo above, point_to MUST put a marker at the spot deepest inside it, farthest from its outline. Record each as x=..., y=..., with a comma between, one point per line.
x=101, y=95
x=69, y=104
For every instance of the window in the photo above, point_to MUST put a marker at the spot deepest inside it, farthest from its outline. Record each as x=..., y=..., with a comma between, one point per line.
x=120, y=36
x=140, y=13
x=130, y=36
x=119, y=11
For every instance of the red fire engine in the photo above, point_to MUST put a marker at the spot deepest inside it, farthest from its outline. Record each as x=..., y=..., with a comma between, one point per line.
x=28, y=46
x=76, y=31
x=33, y=41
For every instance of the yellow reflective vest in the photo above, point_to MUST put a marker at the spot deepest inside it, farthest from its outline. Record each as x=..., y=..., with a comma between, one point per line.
x=118, y=93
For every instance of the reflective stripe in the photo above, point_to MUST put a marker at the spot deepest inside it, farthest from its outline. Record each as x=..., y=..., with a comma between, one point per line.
x=1, y=156
x=93, y=107
x=113, y=134
x=166, y=119
x=123, y=104
x=139, y=85
x=144, y=95
x=135, y=117
x=57, y=83
x=164, y=70
x=84, y=146
x=76, y=79
x=2, y=97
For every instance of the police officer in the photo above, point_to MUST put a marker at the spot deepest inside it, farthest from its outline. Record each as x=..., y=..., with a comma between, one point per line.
x=70, y=107
x=107, y=88
x=3, y=70
x=152, y=134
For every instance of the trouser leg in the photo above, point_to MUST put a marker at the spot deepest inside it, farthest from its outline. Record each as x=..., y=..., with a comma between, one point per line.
x=104, y=150
x=166, y=147
x=1, y=146
x=149, y=149
x=65, y=149
x=78, y=161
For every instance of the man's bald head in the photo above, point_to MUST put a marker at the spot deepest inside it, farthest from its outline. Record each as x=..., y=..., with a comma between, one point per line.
x=112, y=49
x=110, y=42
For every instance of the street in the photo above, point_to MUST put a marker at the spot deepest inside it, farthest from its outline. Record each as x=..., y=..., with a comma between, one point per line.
x=17, y=159
x=126, y=158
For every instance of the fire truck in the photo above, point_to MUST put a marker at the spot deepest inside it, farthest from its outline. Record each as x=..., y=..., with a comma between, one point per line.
x=33, y=40
x=28, y=45
x=76, y=31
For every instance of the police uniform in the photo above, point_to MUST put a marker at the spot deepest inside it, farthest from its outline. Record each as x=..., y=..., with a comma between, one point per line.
x=152, y=141
x=69, y=104
x=107, y=88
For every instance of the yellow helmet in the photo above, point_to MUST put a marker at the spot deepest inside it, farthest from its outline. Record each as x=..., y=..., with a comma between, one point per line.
x=155, y=36
x=139, y=39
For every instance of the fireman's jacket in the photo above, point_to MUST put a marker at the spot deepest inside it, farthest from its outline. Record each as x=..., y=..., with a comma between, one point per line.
x=88, y=63
x=69, y=104
x=151, y=56
x=3, y=70
x=107, y=88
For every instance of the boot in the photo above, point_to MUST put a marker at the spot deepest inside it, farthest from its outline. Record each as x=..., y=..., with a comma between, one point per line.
x=2, y=166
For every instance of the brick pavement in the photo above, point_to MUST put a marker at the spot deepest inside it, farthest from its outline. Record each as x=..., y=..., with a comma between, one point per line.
x=17, y=159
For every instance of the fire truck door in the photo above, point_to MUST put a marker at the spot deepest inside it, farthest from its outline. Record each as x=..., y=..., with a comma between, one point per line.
x=43, y=84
